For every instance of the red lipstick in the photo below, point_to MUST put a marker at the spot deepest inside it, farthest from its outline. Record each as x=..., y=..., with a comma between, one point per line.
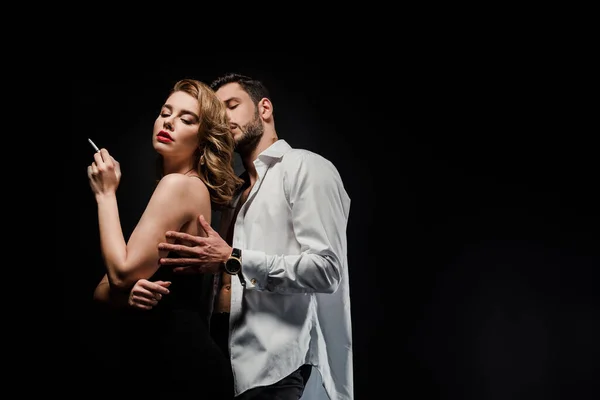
x=164, y=137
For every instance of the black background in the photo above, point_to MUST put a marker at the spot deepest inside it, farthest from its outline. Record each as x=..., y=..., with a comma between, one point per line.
x=473, y=231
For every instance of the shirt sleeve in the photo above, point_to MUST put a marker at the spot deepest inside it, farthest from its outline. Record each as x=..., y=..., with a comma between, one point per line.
x=319, y=207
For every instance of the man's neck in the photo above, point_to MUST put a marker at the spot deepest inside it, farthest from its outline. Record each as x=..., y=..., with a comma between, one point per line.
x=248, y=159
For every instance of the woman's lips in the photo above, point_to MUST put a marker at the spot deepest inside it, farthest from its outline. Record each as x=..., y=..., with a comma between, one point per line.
x=164, y=139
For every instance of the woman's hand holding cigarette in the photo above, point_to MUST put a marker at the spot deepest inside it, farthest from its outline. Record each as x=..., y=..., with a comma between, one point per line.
x=104, y=173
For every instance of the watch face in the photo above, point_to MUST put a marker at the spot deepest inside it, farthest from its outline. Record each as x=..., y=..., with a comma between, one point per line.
x=233, y=265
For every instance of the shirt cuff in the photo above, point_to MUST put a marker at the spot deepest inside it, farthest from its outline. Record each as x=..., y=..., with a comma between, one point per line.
x=254, y=269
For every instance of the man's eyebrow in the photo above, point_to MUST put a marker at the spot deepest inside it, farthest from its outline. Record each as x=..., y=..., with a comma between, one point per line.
x=184, y=112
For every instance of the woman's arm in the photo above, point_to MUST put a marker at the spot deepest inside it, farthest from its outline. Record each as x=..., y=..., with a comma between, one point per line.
x=144, y=295
x=104, y=293
x=173, y=203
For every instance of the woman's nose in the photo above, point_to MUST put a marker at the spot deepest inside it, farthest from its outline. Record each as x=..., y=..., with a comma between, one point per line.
x=168, y=123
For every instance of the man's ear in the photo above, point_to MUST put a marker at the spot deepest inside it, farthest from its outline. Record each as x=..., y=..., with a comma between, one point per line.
x=265, y=108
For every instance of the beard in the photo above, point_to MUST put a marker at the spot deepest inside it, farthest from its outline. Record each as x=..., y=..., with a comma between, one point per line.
x=251, y=134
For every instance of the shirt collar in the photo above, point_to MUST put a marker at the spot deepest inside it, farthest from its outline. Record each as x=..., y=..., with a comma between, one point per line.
x=274, y=151
x=270, y=154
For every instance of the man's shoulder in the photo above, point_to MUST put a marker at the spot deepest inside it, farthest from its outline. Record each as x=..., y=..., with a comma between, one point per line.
x=299, y=156
x=302, y=162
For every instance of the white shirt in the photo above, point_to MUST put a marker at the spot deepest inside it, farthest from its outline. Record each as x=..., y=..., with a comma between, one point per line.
x=295, y=307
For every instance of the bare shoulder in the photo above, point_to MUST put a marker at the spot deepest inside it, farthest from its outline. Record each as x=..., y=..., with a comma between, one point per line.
x=184, y=188
x=181, y=182
x=185, y=198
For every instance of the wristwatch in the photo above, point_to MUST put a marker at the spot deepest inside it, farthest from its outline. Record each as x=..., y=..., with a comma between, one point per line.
x=233, y=265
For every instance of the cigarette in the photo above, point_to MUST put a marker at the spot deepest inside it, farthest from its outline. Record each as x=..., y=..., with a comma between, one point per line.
x=93, y=145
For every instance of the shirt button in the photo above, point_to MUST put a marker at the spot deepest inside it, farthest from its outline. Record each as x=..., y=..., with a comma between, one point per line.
x=253, y=281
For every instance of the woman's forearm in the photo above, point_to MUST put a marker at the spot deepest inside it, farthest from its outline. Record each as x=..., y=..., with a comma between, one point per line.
x=106, y=294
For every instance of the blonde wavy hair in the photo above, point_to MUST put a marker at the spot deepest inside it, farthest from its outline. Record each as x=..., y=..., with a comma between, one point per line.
x=214, y=156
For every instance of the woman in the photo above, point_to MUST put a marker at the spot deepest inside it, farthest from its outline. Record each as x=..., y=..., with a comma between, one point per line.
x=167, y=348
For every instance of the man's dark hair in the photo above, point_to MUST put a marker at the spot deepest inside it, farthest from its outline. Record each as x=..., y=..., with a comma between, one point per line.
x=255, y=89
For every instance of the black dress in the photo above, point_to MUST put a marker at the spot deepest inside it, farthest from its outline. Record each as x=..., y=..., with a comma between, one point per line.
x=169, y=350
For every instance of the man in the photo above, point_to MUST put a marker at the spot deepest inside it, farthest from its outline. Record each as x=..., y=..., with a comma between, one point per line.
x=280, y=262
